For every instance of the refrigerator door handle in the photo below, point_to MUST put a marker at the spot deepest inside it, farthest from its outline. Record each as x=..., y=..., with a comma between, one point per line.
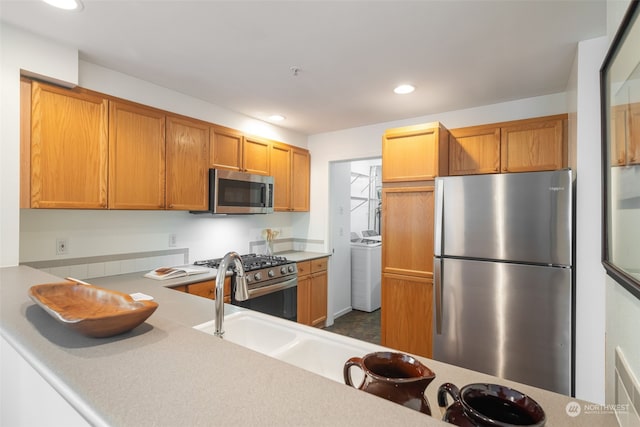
x=439, y=213
x=437, y=282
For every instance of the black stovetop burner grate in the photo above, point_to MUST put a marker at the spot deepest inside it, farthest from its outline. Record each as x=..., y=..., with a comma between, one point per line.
x=250, y=262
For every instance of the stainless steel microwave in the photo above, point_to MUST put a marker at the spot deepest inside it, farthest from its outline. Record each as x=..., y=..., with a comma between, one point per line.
x=232, y=192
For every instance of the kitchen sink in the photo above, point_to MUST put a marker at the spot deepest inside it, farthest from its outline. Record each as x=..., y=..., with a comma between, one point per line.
x=315, y=350
x=252, y=331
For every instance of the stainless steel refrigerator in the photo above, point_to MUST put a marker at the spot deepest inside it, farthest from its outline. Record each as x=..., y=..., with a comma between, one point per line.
x=503, y=276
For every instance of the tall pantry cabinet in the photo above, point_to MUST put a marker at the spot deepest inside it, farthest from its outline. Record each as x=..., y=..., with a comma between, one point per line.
x=412, y=157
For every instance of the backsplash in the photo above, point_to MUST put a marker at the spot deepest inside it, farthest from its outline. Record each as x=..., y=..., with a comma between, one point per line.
x=111, y=265
x=627, y=393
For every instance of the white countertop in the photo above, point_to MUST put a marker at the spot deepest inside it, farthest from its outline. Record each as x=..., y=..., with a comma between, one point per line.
x=166, y=373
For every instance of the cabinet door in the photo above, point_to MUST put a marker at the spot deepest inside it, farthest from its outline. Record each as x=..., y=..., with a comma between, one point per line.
x=300, y=180
x=304, y=298
x=281, y=172
x=69, y=148
x=474, y=151
x=619, y=135
x=633, y=142
x=407, y=230
x=318, y=300
x=415, y=153
x=136, y=157
x=226, y=148
x=207, y=289
x=255, y=156
x=187, y=164
x=533, y=146
x=25, y=143
x=406, y=316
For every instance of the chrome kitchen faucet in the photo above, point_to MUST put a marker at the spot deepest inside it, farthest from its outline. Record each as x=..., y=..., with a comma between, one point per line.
x=241, y=290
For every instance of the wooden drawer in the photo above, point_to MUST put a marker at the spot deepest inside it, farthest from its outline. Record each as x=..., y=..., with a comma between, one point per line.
x=181, y=288
x=319, y=264
x=203, y=289
x=304, y=268
x=207, y=289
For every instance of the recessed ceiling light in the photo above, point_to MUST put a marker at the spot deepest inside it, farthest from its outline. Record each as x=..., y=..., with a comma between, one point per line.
x=276, y=118
x=404, y=89
x=65, y=4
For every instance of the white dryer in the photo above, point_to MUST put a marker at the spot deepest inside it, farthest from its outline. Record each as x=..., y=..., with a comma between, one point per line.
x=366, y=275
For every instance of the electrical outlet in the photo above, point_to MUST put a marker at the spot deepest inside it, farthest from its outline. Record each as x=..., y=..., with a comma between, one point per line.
x=62, y=246
x=172, y=240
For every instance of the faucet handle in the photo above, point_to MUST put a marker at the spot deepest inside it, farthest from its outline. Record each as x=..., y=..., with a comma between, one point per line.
x=241, y=291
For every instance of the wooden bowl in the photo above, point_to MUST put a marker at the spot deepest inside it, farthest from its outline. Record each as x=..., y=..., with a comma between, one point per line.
x=91, y=310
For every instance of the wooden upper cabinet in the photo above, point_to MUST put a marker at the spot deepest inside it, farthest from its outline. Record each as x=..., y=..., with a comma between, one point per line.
x=474, y=150
x=256, y=155
x=232, y=150
x=633, y=142
x=534, y=145
x=187, y=177
x=69, y=148
x=290, y=170
x=300, y=180
x=407, y=227
x=25, y=143
x=619, y=135
x=415, y=153
x=226, y=148
x=281, y=172
x=136, y=157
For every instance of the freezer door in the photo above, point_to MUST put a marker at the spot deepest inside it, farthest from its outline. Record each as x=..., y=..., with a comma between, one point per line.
x=513, y=321
x=524, y=217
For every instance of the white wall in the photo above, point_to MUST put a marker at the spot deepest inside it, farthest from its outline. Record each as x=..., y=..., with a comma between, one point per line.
x=113, y=232
x=585, y=155
x=339, y=295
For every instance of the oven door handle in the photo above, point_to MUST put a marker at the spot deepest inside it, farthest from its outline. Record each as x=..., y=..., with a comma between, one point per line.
x=269, y=289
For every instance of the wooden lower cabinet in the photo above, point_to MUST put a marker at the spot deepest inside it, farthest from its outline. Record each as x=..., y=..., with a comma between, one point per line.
x=406, y=316
x=206, y=289
x=312, y=292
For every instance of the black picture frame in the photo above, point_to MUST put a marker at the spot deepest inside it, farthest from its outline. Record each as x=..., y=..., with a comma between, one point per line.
x=620, y=187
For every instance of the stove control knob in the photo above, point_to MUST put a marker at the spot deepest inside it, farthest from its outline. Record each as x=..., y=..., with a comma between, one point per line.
x=291, y=269
x=283, y=270
x=271, y=273
x=258, y=276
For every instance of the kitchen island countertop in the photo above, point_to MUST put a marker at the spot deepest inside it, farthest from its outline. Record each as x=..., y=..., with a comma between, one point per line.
x=166, y=373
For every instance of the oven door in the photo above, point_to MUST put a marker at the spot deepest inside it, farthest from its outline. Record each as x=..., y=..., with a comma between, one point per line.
x=278, y=299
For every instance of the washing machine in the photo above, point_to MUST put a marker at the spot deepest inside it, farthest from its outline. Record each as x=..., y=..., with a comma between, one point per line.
x=366, y=275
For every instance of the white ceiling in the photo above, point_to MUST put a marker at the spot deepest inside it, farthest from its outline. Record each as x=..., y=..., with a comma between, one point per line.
x=238, y=54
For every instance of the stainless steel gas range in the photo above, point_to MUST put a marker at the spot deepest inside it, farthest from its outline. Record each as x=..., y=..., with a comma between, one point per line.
x=272, y=282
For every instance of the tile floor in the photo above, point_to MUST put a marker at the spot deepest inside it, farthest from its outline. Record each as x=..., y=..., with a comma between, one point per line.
x=358, y=324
